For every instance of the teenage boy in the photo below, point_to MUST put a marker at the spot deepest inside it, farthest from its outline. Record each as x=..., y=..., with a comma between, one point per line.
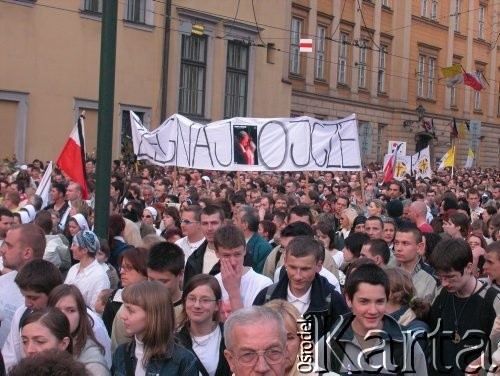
x=191, y=228
x=367, y=340
x=239, y=284
x=463, y=312
x=36, y=280
x=204, y=259
x=302, y=286
x=165, y=264
x=408, y=248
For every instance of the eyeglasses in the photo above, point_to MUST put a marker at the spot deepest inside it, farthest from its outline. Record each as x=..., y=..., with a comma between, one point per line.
x=126, y=268
x=203, y=301
x=147, y=216
x=188, y=222
x=272, y=356
x=450, y=278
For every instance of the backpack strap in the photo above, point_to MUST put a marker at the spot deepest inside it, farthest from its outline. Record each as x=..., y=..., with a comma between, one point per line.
x=488, y=306
x=269, y=292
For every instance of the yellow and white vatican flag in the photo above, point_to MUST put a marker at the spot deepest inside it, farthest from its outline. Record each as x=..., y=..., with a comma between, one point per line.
x=470, y=159
x=448, y=159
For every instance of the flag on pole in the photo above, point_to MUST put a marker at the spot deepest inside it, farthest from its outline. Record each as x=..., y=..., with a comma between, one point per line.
x=470, y=159
x=306, y=45
x=72, y=157
x=448, y=159
x=449, y=72
x=455, y=80
x=421, y=164
x=454, y=130
x=391, y=163
x=474, y=80
x=43, y=189
x=461, y=130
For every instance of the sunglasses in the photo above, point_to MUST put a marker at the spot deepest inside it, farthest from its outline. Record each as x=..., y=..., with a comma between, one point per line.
x=147, y=216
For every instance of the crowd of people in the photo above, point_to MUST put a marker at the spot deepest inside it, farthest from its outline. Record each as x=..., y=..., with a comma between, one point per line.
x=272, y=273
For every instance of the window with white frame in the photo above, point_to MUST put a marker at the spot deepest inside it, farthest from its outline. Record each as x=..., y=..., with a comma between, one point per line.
x=385, y=3
x=236, y=96
x=295, y=46
x=92, y=6
x=456, y=16
x=434, y=10
x=426, y=77
x=342, y=66
x=430, y=77
x=477, y=100
x=320, y=52
x=420, y=76
x=136, y=11
x=480, y=26
x=362, y=64
x=193, y=75
x=453, y=96
x=423, y=8
x=381, y=69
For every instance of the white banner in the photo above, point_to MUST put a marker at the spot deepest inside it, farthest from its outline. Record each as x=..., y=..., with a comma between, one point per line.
x=251, y=144
x=421, y=164
x=394, y=144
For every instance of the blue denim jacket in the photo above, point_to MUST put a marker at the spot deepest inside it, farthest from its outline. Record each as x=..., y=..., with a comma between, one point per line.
x=178, y=361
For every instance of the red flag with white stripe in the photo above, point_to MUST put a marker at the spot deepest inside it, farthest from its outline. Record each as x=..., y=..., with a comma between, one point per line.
x=72, y=158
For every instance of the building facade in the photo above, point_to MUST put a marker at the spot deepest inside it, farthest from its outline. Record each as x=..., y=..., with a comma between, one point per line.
x=210, y=60
x=382, y=59
x=49, y=71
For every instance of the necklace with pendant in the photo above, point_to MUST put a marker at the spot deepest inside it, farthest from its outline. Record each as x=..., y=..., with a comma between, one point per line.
x=456, y=338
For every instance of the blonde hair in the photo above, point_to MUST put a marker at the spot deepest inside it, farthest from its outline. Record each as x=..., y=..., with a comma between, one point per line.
x=154, y=298
x=285, y=309
x=351, y=214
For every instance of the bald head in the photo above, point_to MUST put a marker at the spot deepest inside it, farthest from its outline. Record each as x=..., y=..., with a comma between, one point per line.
x=418, y=211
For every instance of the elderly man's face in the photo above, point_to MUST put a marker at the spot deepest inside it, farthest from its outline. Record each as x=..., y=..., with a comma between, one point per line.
x=244, y=341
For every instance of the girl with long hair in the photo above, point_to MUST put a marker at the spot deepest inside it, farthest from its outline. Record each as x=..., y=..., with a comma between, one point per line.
x=148, y=316
x=325, y=232
x=85, y=347
x=403, y=305
x=200, y=328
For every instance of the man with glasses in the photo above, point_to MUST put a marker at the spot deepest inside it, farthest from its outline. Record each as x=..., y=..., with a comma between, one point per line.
x=463, y=312
x=191, y=228
x=250, y=354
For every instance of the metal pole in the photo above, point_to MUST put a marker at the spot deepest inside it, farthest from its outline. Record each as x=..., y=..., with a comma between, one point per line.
x=105, y=118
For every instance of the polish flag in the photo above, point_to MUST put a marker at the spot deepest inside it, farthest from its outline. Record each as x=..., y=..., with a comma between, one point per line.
x=306, y=45
x=389, y=167
x=474, y=80
x=72, y=158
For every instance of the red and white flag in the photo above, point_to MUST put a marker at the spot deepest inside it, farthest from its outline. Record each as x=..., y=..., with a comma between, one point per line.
x=391, y=163
x=474, y=80
x=72, y=158
x=306, y=45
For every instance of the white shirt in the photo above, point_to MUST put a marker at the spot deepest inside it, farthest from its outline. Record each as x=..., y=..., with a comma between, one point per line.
x=139, y=355
x=323, y=272
x=251, y=284
x=188, y=247
x=209, y=260
x=302, y=302
x=12, y=350
x=90, y=280
x=10, y=300
x=207, y=349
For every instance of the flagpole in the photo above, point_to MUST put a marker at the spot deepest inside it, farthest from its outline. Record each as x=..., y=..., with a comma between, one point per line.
x=453, y=164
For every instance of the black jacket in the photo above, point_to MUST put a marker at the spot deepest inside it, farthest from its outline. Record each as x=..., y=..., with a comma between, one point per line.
x=184, y=338
x=194, y=263
x=326, y=303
